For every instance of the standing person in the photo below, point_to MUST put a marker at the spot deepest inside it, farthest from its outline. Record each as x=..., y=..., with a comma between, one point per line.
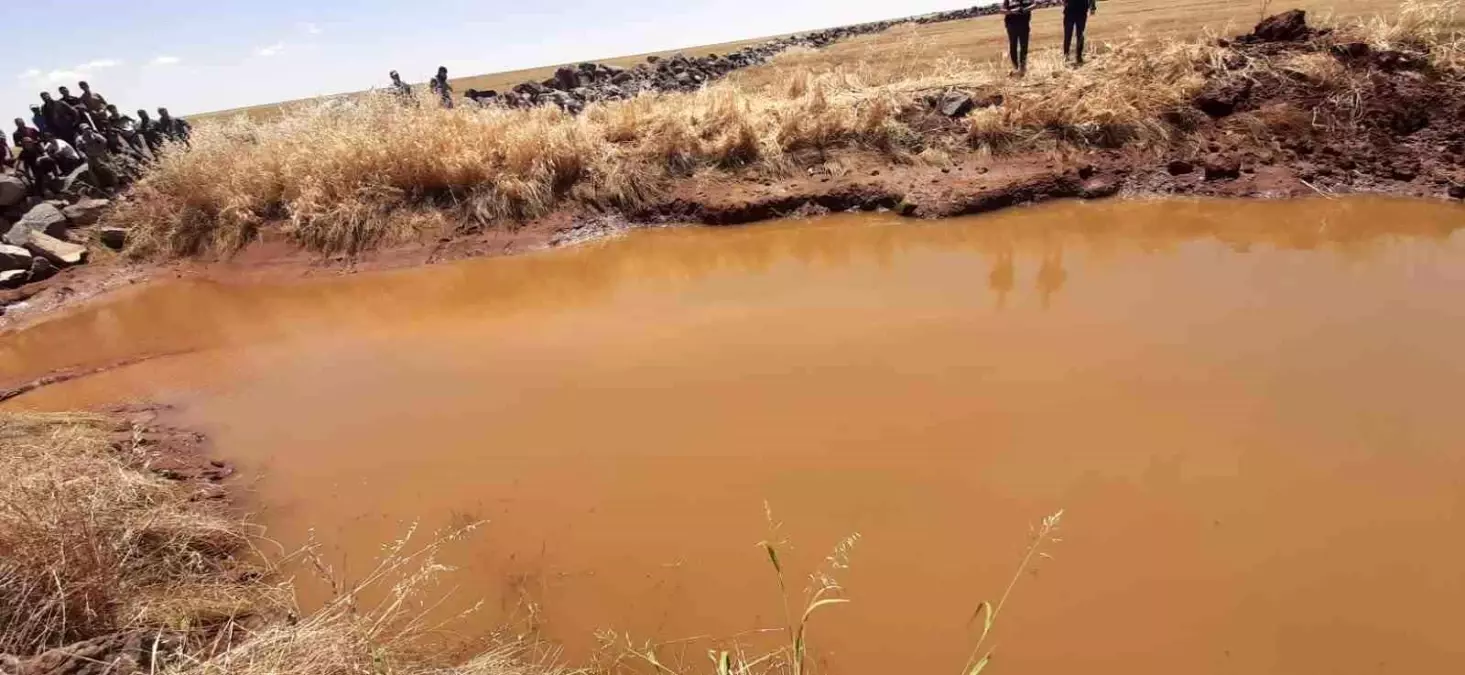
x=95, y=104
x=1017, y=15
x=38, y=119
x=400, y=88
x=75, y=103
x=1075, y=21
x=61, y=119
x=151, y=134
x=441, y=87
x=175, y=128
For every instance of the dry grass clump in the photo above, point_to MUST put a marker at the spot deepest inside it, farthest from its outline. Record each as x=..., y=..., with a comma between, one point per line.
x=95, y=545
x=92, y=545
x=350, y=175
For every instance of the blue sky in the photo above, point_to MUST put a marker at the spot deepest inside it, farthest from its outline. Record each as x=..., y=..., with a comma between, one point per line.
x=200, y=56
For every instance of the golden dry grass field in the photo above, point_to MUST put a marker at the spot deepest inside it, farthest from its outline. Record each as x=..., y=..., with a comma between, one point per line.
x=985, y=39
x=972, y=39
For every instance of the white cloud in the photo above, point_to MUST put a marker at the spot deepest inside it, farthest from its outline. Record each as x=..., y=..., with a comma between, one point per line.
x=31, y=74
x=270, y=50
x=99, y=64
x=165, y=60
x=65, y=75
x=310, y=28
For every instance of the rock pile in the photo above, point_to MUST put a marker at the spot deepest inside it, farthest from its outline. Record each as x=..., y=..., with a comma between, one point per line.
x=37, y=239
x=572, y=87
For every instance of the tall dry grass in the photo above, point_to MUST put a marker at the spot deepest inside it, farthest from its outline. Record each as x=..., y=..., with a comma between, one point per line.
x=92, y=545
x=350, y=175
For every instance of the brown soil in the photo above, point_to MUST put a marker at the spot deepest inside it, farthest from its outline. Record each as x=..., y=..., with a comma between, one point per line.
x=1280, y=136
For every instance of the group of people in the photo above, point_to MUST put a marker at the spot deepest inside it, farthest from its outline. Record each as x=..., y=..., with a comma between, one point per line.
x=67, y=132
x=1018, y=17
x=439, y=86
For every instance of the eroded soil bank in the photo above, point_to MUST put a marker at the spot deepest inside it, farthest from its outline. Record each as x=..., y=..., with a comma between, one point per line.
x=1247, y=408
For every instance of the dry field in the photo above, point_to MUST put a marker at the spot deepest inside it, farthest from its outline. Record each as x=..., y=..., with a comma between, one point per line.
x=984, y=38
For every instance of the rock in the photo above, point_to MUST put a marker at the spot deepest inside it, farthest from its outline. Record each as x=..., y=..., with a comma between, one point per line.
x=14, y=258
x=78, y=181
x=41, y=269
x=1099, y=187
x=1221, y=167
x=566, y=78
x=1351, y=51
x=55, y=250
x=1179, y=167
x=14, y=279
x=1222, y=98
x=17, y=235
x=114, y=238
x=955, y=104
x=45, y=218
x=86, y=211
x=12, y=190
x=1285, y=27
x=1456, y=191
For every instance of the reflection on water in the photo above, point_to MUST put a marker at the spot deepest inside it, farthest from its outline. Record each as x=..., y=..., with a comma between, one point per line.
x=1248, y=409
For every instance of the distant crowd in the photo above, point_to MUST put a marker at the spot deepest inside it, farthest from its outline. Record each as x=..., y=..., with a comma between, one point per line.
x=67, y=132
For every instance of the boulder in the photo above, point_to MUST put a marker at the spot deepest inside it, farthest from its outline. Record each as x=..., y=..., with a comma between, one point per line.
x=12, y=190
x=566, y=78
x=86, y=211
x=55, y=250
x=14, y=258
x=45, y=218
x=955, y=104
x=1222, y=167
x=114, y=238
x=1285, y=27
x=79, y=181
x=14, y=279
x=17, y=235
x=1223, y=98
x=1179, y=167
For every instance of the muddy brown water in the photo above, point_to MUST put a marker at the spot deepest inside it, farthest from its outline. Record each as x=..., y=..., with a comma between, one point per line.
x=1252, y=413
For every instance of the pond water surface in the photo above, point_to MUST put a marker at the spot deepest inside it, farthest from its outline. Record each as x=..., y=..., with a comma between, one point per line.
x=1253, y=414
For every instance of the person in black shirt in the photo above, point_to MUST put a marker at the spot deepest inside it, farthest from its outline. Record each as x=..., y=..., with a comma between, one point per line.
x=151, y=133
x=175, y=128
x=40, y=166
x=1075, y=21
x=1017, y=15
x=61, y=119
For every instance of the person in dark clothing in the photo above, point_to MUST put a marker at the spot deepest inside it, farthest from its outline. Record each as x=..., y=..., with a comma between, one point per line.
x=94, y=104
x=400, y=88
x=176, y=129
x=126, y=129
x=1075, y=21
x=41, y=168
x=1017, y=15
x=76, y=104
x=37, y=119
x=61, y=119
x=23, y=132
x=441, y=87
x=152, y=135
